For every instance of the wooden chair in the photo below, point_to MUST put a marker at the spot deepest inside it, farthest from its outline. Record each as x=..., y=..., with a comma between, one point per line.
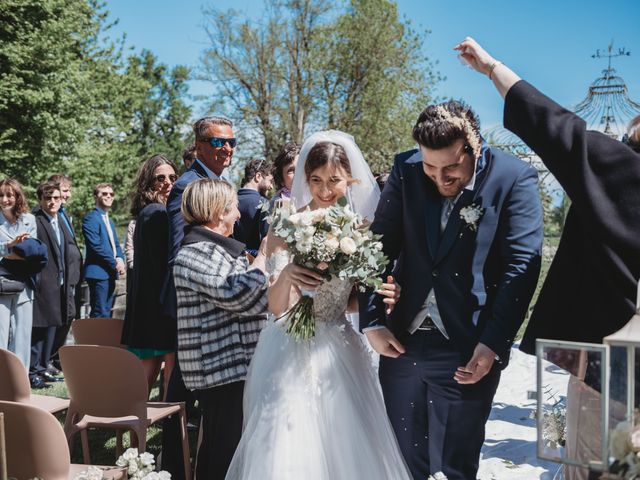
x=14, y=386
x=98, y=331
x=108, y=389
x=36, y=446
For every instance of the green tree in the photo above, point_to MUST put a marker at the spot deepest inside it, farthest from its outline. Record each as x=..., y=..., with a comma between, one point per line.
x=306, y=65
x=375, y=78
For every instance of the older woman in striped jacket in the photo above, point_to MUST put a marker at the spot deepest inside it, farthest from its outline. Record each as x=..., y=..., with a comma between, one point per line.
x=221, y=305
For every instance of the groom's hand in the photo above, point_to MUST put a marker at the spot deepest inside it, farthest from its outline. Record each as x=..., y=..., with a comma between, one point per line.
x=384, y=342
x=479, y=365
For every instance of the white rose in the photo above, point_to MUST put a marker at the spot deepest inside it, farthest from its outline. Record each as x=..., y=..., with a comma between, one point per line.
x=133, y=468
x=146, y=458
x=306, y=218
x=130, y=453
x=295, y=218
x=348, y=246
x=304, y=247
x=309, y=231
x=318, y=215
x=621, y=441
x=332, y=244
x=164, y=475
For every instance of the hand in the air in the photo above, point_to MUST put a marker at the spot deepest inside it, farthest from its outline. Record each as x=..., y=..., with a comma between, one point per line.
x=479, y=365
x=475, y=55
x=391, y=292
x=384, y=342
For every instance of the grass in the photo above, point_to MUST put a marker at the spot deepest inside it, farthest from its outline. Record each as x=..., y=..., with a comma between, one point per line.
x=102, y=442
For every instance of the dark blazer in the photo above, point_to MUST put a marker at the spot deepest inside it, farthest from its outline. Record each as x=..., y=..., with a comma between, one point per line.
x=590, y=290
x=54, y=304
x=252, y=226
x=145, y=326
x=99, y=261
x=483, y=279
x=177, y=229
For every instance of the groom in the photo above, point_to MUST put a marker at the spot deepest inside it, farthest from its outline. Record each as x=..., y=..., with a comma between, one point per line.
x=463, y=223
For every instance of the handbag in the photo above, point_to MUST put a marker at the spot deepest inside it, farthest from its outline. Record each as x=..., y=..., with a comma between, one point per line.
x=10, y=286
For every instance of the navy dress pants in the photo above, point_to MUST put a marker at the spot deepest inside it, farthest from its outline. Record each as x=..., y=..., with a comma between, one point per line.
x=440, y=424
x=101, y=296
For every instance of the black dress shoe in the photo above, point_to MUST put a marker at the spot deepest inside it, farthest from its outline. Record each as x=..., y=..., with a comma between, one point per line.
x=51, y=368
x=47, y=377
x=38, y=382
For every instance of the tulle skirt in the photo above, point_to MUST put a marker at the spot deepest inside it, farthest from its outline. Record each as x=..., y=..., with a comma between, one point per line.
x=314, y=411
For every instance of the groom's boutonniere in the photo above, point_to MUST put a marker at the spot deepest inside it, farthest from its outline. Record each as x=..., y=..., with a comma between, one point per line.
x=472, y=214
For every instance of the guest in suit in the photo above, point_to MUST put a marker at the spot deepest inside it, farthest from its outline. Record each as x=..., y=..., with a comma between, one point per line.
x=63, y=331
x=463, y=223
x=590, y=289
x=215, y=146
x=16, y=310
x=54, y=303
x=148, y=332
x=221, y=302
x=104, y=258
x=253, y=204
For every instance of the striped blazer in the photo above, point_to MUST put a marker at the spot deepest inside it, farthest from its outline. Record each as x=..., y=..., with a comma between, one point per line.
x=222, y=304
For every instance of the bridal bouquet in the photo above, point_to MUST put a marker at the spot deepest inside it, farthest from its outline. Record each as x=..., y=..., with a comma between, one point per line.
x=332, y=241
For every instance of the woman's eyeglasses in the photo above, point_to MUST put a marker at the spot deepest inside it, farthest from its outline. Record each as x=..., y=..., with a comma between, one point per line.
x=162, y=178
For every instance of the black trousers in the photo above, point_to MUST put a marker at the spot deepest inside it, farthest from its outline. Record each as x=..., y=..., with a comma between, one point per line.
x=440, y=424
x=171, y=446
x=42, y=342
x=221, y=409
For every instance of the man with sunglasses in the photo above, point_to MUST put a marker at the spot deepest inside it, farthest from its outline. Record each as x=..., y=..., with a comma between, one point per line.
x=215, y=145
x=104, y=257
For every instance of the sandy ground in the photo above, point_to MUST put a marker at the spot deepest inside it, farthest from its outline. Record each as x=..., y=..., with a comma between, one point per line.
x=509, y=452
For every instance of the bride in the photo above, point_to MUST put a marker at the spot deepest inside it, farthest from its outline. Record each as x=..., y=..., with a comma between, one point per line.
x=313, y=409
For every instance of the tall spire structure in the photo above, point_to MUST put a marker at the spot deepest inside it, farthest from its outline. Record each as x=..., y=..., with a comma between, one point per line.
x=607, y=106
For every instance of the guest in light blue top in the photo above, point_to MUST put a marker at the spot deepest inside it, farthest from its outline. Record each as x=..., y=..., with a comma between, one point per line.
x=16, y=310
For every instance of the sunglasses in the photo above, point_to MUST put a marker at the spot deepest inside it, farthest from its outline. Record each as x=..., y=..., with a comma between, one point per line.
x=107, y=194
x=217, y=142
x=162, y=178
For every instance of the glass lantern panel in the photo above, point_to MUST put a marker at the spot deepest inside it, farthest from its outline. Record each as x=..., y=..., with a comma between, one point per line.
x=572, y=404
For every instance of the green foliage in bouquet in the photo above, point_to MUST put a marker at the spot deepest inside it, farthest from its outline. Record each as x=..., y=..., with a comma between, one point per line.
x=333, y=241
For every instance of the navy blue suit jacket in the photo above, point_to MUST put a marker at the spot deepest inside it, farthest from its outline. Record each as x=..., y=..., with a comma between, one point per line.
x=99, y=262
x=484, y=279
x=177, y=227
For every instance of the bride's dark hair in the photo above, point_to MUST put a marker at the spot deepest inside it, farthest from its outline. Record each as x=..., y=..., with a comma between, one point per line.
x=327, y=153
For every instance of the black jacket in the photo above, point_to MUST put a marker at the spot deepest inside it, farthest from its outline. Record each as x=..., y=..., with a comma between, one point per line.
x=590, y=290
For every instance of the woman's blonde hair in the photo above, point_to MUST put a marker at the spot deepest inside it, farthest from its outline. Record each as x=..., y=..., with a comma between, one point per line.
x=205, y=200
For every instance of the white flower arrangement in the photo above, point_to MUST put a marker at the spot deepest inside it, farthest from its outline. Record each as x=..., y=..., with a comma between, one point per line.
x=332, y=241
x=624, y=446
x=437, y=476
x=472, y=214
x=139, y=467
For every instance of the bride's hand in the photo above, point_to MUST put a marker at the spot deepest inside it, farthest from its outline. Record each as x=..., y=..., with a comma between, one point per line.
x=391, y=291
x=300, y=277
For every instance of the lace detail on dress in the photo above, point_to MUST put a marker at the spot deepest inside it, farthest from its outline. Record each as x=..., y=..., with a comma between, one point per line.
x=330, y=300
x=276, y=262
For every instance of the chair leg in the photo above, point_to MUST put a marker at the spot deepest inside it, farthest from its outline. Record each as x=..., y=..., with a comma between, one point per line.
x=70, y=428
x=119, y=445
x=185, y=441
x=85, y=446
x=141, y=434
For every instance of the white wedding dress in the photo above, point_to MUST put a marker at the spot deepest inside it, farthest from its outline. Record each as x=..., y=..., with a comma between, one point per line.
x=313, y=410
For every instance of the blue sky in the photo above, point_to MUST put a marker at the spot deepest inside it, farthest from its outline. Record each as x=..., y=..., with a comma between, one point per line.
x=549, y=43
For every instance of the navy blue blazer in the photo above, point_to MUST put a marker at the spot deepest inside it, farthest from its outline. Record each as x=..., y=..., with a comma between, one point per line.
x=99, y=262
x=484, y=279
x=177, y=228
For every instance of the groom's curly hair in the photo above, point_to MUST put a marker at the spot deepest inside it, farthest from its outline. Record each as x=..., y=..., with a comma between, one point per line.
x=440, y=126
